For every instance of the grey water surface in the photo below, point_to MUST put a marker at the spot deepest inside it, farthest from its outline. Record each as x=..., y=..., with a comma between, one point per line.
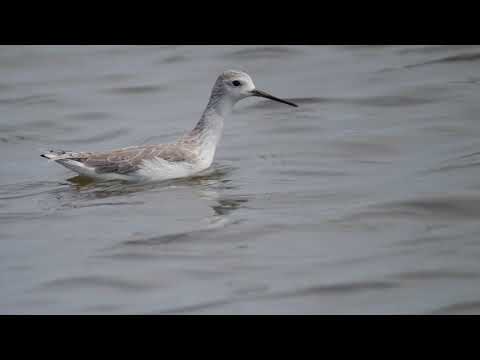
x=364, y=200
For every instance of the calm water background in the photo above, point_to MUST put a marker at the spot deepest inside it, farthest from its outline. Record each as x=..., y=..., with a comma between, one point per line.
x=365, y=199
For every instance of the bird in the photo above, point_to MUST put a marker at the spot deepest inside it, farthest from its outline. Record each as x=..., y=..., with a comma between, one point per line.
x=192, y=153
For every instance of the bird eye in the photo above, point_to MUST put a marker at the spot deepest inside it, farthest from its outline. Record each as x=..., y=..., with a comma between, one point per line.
x=236, y=83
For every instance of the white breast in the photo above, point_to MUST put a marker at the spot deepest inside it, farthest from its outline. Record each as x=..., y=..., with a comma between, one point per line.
x=161, y=169
x=206, y=155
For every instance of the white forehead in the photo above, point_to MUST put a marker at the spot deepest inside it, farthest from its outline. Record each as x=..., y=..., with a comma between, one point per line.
x=231, y=75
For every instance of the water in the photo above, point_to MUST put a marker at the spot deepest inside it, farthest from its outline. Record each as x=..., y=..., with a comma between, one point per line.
x=365, y=199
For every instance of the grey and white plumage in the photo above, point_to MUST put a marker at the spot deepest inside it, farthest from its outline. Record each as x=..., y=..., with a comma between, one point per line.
x=192, y=153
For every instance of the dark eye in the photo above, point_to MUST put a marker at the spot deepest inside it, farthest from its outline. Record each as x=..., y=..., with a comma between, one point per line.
x=236, y=83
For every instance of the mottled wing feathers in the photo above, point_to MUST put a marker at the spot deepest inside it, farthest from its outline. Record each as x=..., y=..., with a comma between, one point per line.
x=128, y=160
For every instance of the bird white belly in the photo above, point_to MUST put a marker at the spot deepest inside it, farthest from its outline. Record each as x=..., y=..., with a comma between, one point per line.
x=205, y=157
x=160, y=169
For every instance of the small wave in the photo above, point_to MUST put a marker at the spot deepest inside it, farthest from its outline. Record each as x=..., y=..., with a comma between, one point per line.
x=5, y=87
x=470, y=307
x=310, y=173
x=119, y=203
x=92, y=115
x=72, y=283
x=438, y=274
x=467, y=161
x=108, y=135
x=433, y=49
x=173, y=59
x=43, y=99
x=26, y=189
x=360, y=149
x=454, y=167
x=165, y=239
x=15, y=139
x=336, y=289
x=321, y=290
x=471, y=57
x=130, y=256
x=268, y=52
x=448, y=207
x=137, y=90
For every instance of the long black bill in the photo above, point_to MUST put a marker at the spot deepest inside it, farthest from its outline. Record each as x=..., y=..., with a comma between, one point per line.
x=268, y=96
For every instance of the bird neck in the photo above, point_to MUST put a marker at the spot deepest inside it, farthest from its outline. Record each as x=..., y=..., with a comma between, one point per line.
x=206, y=134
x=209, y=129
x=212, y=118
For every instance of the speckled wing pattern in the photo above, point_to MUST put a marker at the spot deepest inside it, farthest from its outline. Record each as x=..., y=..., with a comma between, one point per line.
x=128, y=160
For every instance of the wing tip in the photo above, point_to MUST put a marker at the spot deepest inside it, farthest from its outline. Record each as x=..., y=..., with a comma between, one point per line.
x=52, y=154
x=48, y=155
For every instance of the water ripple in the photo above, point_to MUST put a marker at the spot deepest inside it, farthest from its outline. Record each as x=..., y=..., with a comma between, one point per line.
x=320, y=290
x=40, y=99
x=89, y=115
x=467, y=307
x=470, y=57
x=268, y=52
x=442, y=207
x=438, y=274
x=107, y=135
x=137, y=90
x=82, y=282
